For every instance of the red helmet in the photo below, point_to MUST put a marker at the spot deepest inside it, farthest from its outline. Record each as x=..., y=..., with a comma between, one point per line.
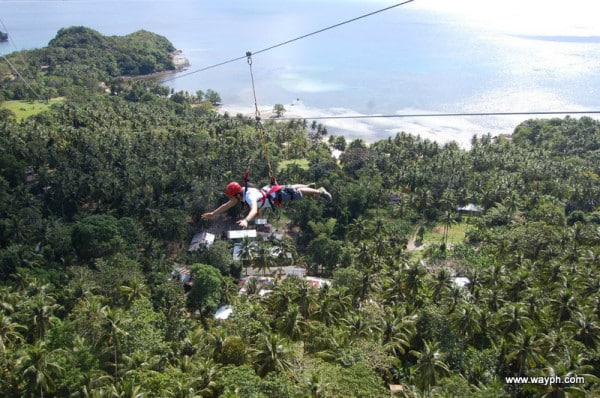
x=233, y=188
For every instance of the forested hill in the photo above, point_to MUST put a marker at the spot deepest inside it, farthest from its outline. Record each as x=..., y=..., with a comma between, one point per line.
x=101, y=193
x=80, y=56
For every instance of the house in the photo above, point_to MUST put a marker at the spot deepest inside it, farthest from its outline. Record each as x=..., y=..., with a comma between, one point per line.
x=241, y=233
x=183, y=274
x=201, y=240
x=313, y=281
x=224, y=312
x=471, y=208
x=461, y=281
x=263, y=226
x=294, y=271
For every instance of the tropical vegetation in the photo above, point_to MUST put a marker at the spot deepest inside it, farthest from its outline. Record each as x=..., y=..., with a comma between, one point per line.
x=101, y=192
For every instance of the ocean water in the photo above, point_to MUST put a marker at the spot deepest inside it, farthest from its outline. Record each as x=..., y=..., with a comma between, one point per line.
x=418, y=58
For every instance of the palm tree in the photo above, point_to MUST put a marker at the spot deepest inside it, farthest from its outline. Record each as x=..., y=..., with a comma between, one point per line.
x=358, y=231
x=9, y=299
x=333, y=304
x=305, y=299
x=9, y=332
x=357, y=325
x=42, y=314
x=561, y=371
x=282, y=296
x=393, y=292
x=181, y=389
x=414, y=279
x=271, y=354
x=113, y=329
x=135, y=290
x=430, y=366
x=443, y=283
x=38, y=366
x=525, y=352
x=290, y=323
x=513, y=318
x=586, y=329
x=206, y=382
x=286, y=251
x=264, y=258
x=247, y=253
x=465, y=322
x=93, y=381
x=397, y=330
x=126, y=388
x=565, y=306
x=89, y=316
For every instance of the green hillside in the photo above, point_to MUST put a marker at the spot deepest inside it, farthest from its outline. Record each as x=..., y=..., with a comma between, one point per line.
x=102, y=192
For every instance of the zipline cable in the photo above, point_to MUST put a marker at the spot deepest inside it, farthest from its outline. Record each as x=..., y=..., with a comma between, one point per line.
x=14, y=69
x=459, y=114
x=333, y=26
x=289, y=41
x=5, y=29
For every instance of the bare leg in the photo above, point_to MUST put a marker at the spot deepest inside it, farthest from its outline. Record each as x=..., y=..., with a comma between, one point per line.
x=306, y=190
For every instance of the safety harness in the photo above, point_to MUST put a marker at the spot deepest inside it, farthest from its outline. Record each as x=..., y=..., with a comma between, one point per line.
x=266, y=196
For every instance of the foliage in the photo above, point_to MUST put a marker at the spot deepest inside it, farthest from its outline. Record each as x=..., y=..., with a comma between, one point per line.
x=207, y=292
x=80, y=56
x=279, y=110
x=101, y=192
x=95, y=236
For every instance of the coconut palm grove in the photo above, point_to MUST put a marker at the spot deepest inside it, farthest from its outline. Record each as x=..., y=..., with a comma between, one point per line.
x=450, y=272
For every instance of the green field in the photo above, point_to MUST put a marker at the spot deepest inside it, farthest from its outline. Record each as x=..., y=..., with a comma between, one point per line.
x=456, y=234
x=302, y=163
x=24, y=109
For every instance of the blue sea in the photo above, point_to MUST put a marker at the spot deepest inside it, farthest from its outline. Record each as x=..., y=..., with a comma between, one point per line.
x=422, y=57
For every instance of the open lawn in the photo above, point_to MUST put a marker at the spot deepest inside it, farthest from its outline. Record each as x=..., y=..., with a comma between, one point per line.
x=24, y=109
x=302, y=163
x=456, y=234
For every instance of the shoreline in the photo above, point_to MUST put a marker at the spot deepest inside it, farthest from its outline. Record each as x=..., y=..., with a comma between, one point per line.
x=354, y=125
x=339, y=122
x=180, y=62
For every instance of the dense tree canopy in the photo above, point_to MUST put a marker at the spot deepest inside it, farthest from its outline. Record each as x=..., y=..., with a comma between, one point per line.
x=82, y=57
x=101, y=194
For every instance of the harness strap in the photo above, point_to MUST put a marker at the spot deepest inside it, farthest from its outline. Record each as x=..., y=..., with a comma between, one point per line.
x=267, y=196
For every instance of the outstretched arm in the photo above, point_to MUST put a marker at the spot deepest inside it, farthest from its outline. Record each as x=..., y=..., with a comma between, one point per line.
x=221, y=209
x=251, y=214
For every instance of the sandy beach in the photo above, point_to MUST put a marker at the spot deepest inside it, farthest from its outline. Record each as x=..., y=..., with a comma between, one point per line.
x=340, y=121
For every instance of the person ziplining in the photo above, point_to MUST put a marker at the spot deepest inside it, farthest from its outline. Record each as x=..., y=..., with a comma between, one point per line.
x=268, y=196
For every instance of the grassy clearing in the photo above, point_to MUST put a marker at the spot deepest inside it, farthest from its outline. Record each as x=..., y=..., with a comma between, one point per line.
x=456, y=234
x=25, y=109
x=302, y=163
